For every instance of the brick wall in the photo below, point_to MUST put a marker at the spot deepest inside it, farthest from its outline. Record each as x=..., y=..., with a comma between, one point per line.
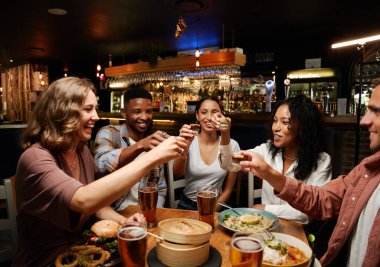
x=348, y=150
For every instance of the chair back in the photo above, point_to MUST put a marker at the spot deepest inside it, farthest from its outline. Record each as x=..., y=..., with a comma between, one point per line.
x=173, y=184
x=252, y=192
x=8, y=225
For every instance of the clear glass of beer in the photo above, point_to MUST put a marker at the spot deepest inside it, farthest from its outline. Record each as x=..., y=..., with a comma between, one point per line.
x=246, y=250
x=131, y=239
x=148, y=196
x=206, y=202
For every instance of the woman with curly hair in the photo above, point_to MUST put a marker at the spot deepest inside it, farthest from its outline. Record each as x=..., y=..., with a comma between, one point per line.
x=294, y=148
x=54, y=181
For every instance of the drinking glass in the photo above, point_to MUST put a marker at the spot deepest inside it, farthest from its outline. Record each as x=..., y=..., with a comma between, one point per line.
x=246, y=250
x=131, y=239
x=195, y=128
x=148, y=196
x=206, y=202
x=236, y=158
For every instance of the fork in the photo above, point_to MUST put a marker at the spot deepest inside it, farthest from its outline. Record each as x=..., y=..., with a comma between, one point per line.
x=221, y=203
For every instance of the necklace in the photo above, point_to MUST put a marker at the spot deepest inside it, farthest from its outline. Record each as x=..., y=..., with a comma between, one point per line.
x=75, y=162
x=292, y=159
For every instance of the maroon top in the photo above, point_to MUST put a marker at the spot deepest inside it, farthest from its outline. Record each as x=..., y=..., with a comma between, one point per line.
x=343, y=198
x=44, y=189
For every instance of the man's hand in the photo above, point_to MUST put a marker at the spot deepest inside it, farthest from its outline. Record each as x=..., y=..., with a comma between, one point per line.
x=154, y=140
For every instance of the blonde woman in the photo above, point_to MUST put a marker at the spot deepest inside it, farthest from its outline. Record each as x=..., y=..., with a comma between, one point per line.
x=54, y=182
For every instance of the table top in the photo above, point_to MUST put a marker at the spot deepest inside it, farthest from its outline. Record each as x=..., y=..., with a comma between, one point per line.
x=221, y=238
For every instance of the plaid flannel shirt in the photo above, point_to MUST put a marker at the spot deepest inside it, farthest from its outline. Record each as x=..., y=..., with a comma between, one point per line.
x=110, y=141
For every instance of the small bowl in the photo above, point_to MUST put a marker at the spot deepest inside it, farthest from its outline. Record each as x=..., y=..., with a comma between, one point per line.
x=295, y=242
x=178, y=255
x=185, y=231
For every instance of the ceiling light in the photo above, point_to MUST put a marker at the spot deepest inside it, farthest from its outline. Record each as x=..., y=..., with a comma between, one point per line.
x=57, y=11
x=197, y=53
x=360, y=41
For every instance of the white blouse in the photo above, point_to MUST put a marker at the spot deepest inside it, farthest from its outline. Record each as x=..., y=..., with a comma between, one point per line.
x=273, y=204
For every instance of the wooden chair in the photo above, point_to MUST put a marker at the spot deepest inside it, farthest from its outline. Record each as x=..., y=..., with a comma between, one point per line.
x=8, y=226
x=252, y=192
x=173, y=184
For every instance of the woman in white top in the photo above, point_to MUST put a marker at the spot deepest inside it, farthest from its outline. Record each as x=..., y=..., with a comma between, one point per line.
x=202, y=165
x=294, y=148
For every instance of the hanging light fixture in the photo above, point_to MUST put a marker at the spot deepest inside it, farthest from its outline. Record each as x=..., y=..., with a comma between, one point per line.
x=197, y=53
x=98, y=68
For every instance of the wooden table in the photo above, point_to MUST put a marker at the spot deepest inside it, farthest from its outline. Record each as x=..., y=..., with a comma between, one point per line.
x=221, y=238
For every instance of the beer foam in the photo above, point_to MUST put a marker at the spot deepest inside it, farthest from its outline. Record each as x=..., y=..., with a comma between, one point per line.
x=247, y=244
x=132, y=233
x=207, y=194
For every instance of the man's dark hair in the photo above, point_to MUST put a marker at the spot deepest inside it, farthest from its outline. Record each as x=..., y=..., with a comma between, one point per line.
x=136, y=92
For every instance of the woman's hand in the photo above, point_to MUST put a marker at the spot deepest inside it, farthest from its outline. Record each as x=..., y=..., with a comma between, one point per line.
x=221, y=123
x=188, y=134
x=137, y=217
x=174, y=147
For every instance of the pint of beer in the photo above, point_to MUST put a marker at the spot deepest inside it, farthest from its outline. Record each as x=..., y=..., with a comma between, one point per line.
x=246, y=251
x=206, y=201
x=148, y=195
x=131, y=239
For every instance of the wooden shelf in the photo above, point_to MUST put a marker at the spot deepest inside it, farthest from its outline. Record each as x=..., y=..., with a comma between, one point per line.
x=179, y=63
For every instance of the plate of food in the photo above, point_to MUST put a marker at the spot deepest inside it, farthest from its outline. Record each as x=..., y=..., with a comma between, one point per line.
x=98, y=248
x=284, y=250
x=251, y=220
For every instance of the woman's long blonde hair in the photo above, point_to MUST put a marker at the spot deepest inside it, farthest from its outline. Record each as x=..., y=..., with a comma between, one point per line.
x=55, y=118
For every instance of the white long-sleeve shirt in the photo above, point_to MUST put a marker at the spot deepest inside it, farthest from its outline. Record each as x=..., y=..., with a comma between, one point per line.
x=273, y=204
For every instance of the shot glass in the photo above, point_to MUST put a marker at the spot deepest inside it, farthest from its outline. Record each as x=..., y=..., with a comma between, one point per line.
x=148, y=196
x=236, y=158
x=224, y=123
x=206, y=202
x=131, y=239
x=246, y=250
x=195, y=128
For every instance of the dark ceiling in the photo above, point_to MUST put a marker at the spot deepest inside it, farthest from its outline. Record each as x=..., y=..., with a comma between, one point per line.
x=132, y=29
